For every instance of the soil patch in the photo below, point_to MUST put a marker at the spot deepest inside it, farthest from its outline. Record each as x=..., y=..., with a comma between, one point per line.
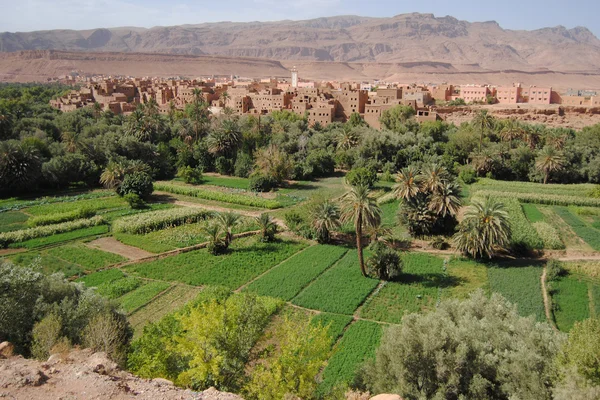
x=112, y=245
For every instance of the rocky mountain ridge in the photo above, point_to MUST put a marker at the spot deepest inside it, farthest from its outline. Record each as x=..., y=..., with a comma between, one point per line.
x=403, y=38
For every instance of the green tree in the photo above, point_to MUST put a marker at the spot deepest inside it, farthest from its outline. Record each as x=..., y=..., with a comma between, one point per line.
x=484, y=122
x=268, y=227
x=228, y=221
x=480, y=348
x=445, y=200
x=549, y=160
x=325, y=218
x=395, y=119
x=408, y=183
x=274, y=163
x=358, y=206
x=484, y=228
x=582, y=350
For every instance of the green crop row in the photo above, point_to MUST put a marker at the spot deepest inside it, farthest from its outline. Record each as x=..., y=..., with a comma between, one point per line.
x=532, y=213
x=142, y=295
x=46, y=263
x=161, y=219
x=287, y=279
x=588, y=234
x=395, y=300
x=47, y=230
x=549, y=236
x=542, y=198
x=341, y=289
x=335, y=324
x=246, y=260
x=91, y=259
x=118, y=288
x=358, y=345
x=102, y=277
x=570, y=301
x=523, y=235
x=521, y=286
x=51, y=219
x=88, y=204
x=17, y=204
x=531, y=187
x=244, y=200
x=62, y=237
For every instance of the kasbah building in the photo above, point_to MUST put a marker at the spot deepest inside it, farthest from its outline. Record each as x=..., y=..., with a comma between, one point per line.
x=322, y=103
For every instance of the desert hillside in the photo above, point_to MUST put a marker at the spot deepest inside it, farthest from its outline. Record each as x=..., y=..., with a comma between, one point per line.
x=406, y=38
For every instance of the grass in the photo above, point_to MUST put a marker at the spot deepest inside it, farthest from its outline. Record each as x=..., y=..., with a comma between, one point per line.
x=91, y=204
x=470, y=276
x=335, y=324
x=521, y=286
x=287, y=279
x=98, y=278
x=143, y=242
x=90, y=259
x=120, y=287
x=570, y=300
x=12, y=221
x=142, y=295
x=340, y=290
x=532, y=213
x=46, y=263
x=246, y=259
x=155, y=310
x=588, y=234
x=62, y=237
x=530, y=187
x=416, y=289
x=358, y=344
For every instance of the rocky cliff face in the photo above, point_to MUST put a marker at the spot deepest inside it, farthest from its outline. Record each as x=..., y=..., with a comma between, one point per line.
x=403, y=38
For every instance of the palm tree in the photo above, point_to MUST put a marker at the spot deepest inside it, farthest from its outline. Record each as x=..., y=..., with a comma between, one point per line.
x=532, y=136
x=71, y=141
x=216, y=243
x=228, y=221
x=549, y=160
x=432, y=177
x=484, y=228
x=357, y=206
x=325, y=218
x=172, y=111
x=511, y=131
x=484, y=122
x=409, y=183
x=483, y=162
x=267, y=226
x=97, y=109
x=445, y=201
x=347, y=138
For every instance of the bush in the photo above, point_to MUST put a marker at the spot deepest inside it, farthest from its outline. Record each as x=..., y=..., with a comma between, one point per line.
x=554, y=270
x=139, y=183
x=109, y=333
x=46, y=334
x=384, y=263
x=243, y=165
x=439, y=243
x=468, y=175
x=223, y=165
x=362, y=176
x=261, y=183
x=190, y=175
x=134, y=201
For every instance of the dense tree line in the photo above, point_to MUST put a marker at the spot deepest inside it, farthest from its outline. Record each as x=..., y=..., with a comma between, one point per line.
x=43, y=148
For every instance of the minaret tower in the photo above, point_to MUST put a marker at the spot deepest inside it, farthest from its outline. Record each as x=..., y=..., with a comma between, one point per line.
x=294, y=77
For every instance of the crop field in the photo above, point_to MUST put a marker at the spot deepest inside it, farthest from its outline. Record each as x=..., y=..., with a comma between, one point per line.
x=286, y=280
x=170, y=301
x=335, y=323
x=415, y=290
x=358, y=344
x=18, y=204
x=161, y=219
x=570, y=300
x=142, y=295
x=90, y=204
x=521, y=286
x=88, y=258
x=341, y=289
x=12, y=221
x=531, y=187
x=48, y=264
x=595, y=301
x=549, y=235
x=62, y=237
x=588, y=234
x=246, y=259
x=120, y=287
x=523, y=234
x=226, y=181
x=204, y=193
x=466, y=277
x=532, y=213
x=102, y=277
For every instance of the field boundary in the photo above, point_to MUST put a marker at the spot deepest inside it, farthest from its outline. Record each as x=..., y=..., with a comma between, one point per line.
x=317, y=277
x=152, y=299
x=547, y=300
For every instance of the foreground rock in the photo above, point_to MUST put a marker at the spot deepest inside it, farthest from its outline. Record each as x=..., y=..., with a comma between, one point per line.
x=82, y=374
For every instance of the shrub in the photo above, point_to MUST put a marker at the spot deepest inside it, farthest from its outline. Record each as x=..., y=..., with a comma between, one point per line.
x=554, y=270
x=109, y=333
x=223, y=165
x=384, y=262
x=158, y=220
x=582, y=350
x=46, y=334
x=439, y=243
x=139, y=183
x=134, y=201
x=362, y=176
x=468, y=175
x=190, y=175
x=261, y=183
x=243, y=165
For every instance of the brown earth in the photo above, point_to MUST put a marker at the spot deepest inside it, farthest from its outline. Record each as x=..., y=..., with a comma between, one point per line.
x=112, y=245
x=82, y=374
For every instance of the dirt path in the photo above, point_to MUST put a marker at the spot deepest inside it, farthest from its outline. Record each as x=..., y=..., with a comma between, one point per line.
x=546, y=299
x=112, y=245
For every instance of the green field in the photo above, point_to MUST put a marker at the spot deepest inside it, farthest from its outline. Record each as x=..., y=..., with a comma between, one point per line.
x=570, y=301
x=48, y=264
x=12, y=221
x=245, y=260
x=98, y=278
x=587, y=233
x=287, y=279
x=62, y=237
x=521, y=286
x=532, y=213
x=90, y=259
x=335, y=324
x=142, y=295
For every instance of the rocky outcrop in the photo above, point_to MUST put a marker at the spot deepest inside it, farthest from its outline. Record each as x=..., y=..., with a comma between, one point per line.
x=82, y=374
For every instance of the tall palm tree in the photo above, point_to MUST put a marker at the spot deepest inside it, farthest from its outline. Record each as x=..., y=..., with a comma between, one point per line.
x=484, y=228
x=532, y=136
x=347, y=138
x=548, y=161
x=511, y=131
x=484, y=121
x=216, y=242
x=325, y=218
x=358, y=206
x=71, y=141
x=228, y=221
x=433, y=176
x=445, y=200
x=408, y=183
x=483, y=162
x=268, y=227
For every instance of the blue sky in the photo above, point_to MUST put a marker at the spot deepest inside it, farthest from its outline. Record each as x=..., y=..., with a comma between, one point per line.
x=28, y=15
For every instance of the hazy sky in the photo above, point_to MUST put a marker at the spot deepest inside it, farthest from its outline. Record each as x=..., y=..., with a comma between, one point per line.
x=29, y=15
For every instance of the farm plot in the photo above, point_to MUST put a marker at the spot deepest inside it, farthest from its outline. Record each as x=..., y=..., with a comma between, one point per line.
x=356, y=346
x=48, y=264
x=245, y=260
x=588, y=234
x=62, y=237
x=334, y=322
x=90, y=259
x=341, y=289
x=541, y=198
x=416, y=290
x=98, y=278
x=521, y=286
x=167, y=303
x=531, y=187
x=467, y=277
x=159, y=220
x=226, y=181
x=570, y=301
x=287, y=279
x=15, y=204
x=549, y=235
x=12, y=221
x=88, y=204
x=532, y=213
x=120, y=287
x=142, y=295
x=523, y=235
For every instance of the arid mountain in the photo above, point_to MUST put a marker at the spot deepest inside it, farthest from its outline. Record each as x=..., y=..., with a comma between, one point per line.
x=404, y=38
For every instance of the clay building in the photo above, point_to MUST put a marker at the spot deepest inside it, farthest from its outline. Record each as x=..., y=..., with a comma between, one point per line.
x=474, y=94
